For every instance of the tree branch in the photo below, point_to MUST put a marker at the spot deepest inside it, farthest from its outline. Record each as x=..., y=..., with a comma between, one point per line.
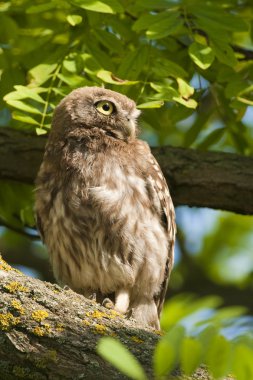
x=48, y=333
x=204, y=179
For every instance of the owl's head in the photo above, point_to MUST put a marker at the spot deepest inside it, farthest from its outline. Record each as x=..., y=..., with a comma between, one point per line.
x=95, y=107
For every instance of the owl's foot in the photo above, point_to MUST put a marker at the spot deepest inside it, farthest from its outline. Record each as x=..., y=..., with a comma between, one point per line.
x=122, y=300
x=92, y=297
x=145, y=312
x=108, y=303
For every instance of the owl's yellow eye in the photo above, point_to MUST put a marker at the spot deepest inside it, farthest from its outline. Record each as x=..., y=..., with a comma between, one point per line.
x=105, y=107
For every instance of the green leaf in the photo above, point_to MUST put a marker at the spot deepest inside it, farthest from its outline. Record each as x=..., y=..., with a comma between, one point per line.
x=223, y=52
x=189, y=103
x=165, y=92
x=146, y=20
x=218, y=18
x=23, y=92
x=133, y=63
x=218, y=355
x=159, y=25
x=190, y=355
x=24, y=118
x=109, y=77
x=109, y=40
x=166, y=353
x=74, y=20
x=245, y=100
x=154, y=4
x=72, y=80
x=164, y=358
x=118, y=355
x=207, y=335
x=41, y=73
x=27, y=216
x=185, y=90
x=181, y=306
x=169, y=26
x=243, y=363
x=164, y=68
x=236, y=87
x=24, y=107
x=202, y=55
x=40, y=131
x=153, y=104
x=106, y=6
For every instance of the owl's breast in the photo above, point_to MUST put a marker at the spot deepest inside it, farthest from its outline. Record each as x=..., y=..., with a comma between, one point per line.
x=100, y=227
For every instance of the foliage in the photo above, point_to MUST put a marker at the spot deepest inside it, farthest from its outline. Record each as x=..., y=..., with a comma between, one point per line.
x=188, y=65
x=182, y=53
x=188, y=344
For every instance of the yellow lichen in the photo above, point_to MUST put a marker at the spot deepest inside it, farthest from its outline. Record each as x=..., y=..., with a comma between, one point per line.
x=47, y=327
x=8, y=320
x=158, y=332
x=136, y=339
x=43, y=330
x=39, y=315
x=6, y=267
x=100, y=329
x=96, y=314
x=86, y=323
x=15, y=286
x=38, y=331
x=111, y=314
x=16, y=304
x=59, y=327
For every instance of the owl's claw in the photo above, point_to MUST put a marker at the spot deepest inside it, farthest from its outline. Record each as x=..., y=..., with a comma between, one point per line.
x=108, y=303
x=92, y=297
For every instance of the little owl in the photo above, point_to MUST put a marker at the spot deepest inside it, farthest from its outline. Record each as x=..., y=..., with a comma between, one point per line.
x=103, y=206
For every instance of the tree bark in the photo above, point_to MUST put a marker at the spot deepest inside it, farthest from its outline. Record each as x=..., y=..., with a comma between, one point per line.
x=204, y=179
x=48, y=333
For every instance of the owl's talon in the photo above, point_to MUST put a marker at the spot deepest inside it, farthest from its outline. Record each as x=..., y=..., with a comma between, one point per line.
x=108, y=303
x=92, y=297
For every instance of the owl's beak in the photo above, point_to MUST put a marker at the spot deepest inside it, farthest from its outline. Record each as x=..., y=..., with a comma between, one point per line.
x=129, y=127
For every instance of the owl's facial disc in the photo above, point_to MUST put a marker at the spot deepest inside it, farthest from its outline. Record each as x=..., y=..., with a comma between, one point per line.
x=122, y=121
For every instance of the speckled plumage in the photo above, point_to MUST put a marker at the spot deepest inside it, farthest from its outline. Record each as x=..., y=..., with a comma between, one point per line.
x=103, y=206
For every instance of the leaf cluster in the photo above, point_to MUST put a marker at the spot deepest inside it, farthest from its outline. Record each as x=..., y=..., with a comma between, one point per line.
x=187, y=344
x=193, y=57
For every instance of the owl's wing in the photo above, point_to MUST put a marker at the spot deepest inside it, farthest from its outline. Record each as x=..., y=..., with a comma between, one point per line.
x=162, y=205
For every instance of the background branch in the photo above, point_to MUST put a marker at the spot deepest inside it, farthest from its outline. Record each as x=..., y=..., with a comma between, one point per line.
x=204, y=179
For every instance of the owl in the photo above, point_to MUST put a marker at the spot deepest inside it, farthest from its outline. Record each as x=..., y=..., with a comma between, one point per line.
x=103, y=207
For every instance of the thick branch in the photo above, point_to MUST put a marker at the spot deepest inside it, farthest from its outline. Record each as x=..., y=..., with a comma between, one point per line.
x=47, y=333
x=203, y=179
x=50, y=333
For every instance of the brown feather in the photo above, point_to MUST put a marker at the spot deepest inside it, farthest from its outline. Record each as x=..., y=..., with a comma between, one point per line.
x=104, y=206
